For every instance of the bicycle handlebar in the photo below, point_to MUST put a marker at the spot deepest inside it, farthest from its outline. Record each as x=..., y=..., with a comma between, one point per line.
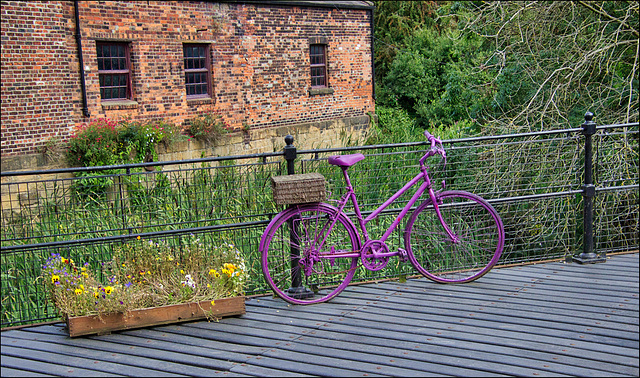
x=436, y=148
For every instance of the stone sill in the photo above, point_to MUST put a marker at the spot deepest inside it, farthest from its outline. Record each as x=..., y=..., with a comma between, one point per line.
x=119, y=105
x=199, y=101
x=320, y=91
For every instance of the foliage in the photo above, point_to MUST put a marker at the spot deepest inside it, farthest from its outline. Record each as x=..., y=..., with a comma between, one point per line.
x=553, y=61
x=104, y=142
x=510, y=66
x=95, y=144
x=145, y=274
x=396, y=21
x=141, y=138
x=435, y=79
x=394, y=125
x=207, y=127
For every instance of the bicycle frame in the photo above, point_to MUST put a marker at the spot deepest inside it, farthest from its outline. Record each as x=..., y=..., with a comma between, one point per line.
x=351, y=195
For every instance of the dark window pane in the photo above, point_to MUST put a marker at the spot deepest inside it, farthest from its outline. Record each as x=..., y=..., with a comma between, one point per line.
x=107, y=81
x=120, y=50
x=196, y=70
x=99, y=51
x=123, y=93
x=100, y=65
x=114, y=50
x=107, y=64
x=107, y=93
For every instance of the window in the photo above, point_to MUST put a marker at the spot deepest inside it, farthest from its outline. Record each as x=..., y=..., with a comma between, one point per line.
x=317, y=54
x=197, y=70
x=114, y=70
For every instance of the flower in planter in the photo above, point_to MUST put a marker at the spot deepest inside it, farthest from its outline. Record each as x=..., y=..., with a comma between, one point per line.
x=146, y=274
x=188, y=282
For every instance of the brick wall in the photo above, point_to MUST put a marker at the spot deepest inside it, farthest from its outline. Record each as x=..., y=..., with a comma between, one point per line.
x=259, y=56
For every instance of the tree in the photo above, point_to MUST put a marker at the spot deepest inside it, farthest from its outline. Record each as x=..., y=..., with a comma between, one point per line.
x=553, y=61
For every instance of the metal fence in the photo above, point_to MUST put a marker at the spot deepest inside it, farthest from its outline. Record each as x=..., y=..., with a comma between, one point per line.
x=535, y=180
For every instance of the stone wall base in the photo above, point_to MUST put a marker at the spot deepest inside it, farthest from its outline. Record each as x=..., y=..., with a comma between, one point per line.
x=22, y=193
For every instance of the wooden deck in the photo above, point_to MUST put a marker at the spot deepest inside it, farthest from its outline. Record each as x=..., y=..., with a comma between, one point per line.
x=552, y=319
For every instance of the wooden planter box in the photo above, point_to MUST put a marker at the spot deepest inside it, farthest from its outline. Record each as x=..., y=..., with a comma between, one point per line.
x=146, y=317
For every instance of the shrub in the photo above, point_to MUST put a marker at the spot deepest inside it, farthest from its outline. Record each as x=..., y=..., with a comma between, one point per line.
x=94, y=144
x=207, y=127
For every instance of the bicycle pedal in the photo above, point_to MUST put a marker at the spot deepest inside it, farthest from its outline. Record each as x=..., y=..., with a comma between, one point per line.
x=402, y=255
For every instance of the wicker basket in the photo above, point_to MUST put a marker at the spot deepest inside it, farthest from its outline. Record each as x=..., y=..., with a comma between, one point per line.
x=301, y=188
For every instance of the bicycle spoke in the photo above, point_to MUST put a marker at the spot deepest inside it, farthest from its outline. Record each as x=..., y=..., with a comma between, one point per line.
x=309, y=226
x=477, y=245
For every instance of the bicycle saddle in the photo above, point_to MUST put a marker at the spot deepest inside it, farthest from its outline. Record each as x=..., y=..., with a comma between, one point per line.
x=345, y=160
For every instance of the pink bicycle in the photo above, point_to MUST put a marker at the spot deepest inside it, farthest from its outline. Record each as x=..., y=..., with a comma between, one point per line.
x=310, y=252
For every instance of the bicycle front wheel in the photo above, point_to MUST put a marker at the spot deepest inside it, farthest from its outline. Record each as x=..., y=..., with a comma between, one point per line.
x=468, y=251
x=308, y=253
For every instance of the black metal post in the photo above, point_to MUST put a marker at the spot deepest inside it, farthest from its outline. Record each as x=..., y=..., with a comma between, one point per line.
x=297, y=290
x=588, y=254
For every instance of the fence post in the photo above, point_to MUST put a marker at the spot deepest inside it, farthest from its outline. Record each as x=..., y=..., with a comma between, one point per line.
x=588, y=254
x=297, y=290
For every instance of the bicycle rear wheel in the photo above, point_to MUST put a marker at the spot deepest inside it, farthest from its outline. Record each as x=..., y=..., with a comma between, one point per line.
x=301, y=253
x=478, y=238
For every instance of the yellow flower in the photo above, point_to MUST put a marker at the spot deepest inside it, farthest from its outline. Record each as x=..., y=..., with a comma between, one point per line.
x=78, y=291
x=181, y=271
x=65, y=261
x=108, y=290
x=212, y=272
x=96, y=294
x=83, y=269
x=138, y=237
x=55, y=278
x=213, y=303
x=81, y=286
x=85, y=274
x=208, y=286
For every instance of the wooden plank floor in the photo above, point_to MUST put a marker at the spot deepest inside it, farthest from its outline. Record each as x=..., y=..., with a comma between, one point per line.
x=552, y=319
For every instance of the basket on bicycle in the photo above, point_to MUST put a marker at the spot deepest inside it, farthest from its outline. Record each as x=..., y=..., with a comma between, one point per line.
x=299, y=188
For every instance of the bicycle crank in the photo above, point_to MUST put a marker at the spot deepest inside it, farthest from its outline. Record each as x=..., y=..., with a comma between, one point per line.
x=369, y=252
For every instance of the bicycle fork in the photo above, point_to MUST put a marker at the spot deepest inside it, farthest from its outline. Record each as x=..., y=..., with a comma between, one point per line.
x=436, y=205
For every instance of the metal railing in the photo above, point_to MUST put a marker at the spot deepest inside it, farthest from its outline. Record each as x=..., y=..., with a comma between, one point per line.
x=536, y=181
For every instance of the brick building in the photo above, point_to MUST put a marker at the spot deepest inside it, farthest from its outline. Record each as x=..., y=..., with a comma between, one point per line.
x=279, y=67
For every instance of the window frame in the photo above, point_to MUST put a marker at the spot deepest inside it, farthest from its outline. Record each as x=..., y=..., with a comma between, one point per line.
x=313, y=66
x=127, y=71
x=206, y=69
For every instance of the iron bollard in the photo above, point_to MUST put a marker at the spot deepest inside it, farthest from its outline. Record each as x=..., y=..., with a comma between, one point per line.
x=297, y=289
x=588, y=255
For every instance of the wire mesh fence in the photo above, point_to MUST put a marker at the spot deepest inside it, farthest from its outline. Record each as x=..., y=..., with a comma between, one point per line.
x=534, y=180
